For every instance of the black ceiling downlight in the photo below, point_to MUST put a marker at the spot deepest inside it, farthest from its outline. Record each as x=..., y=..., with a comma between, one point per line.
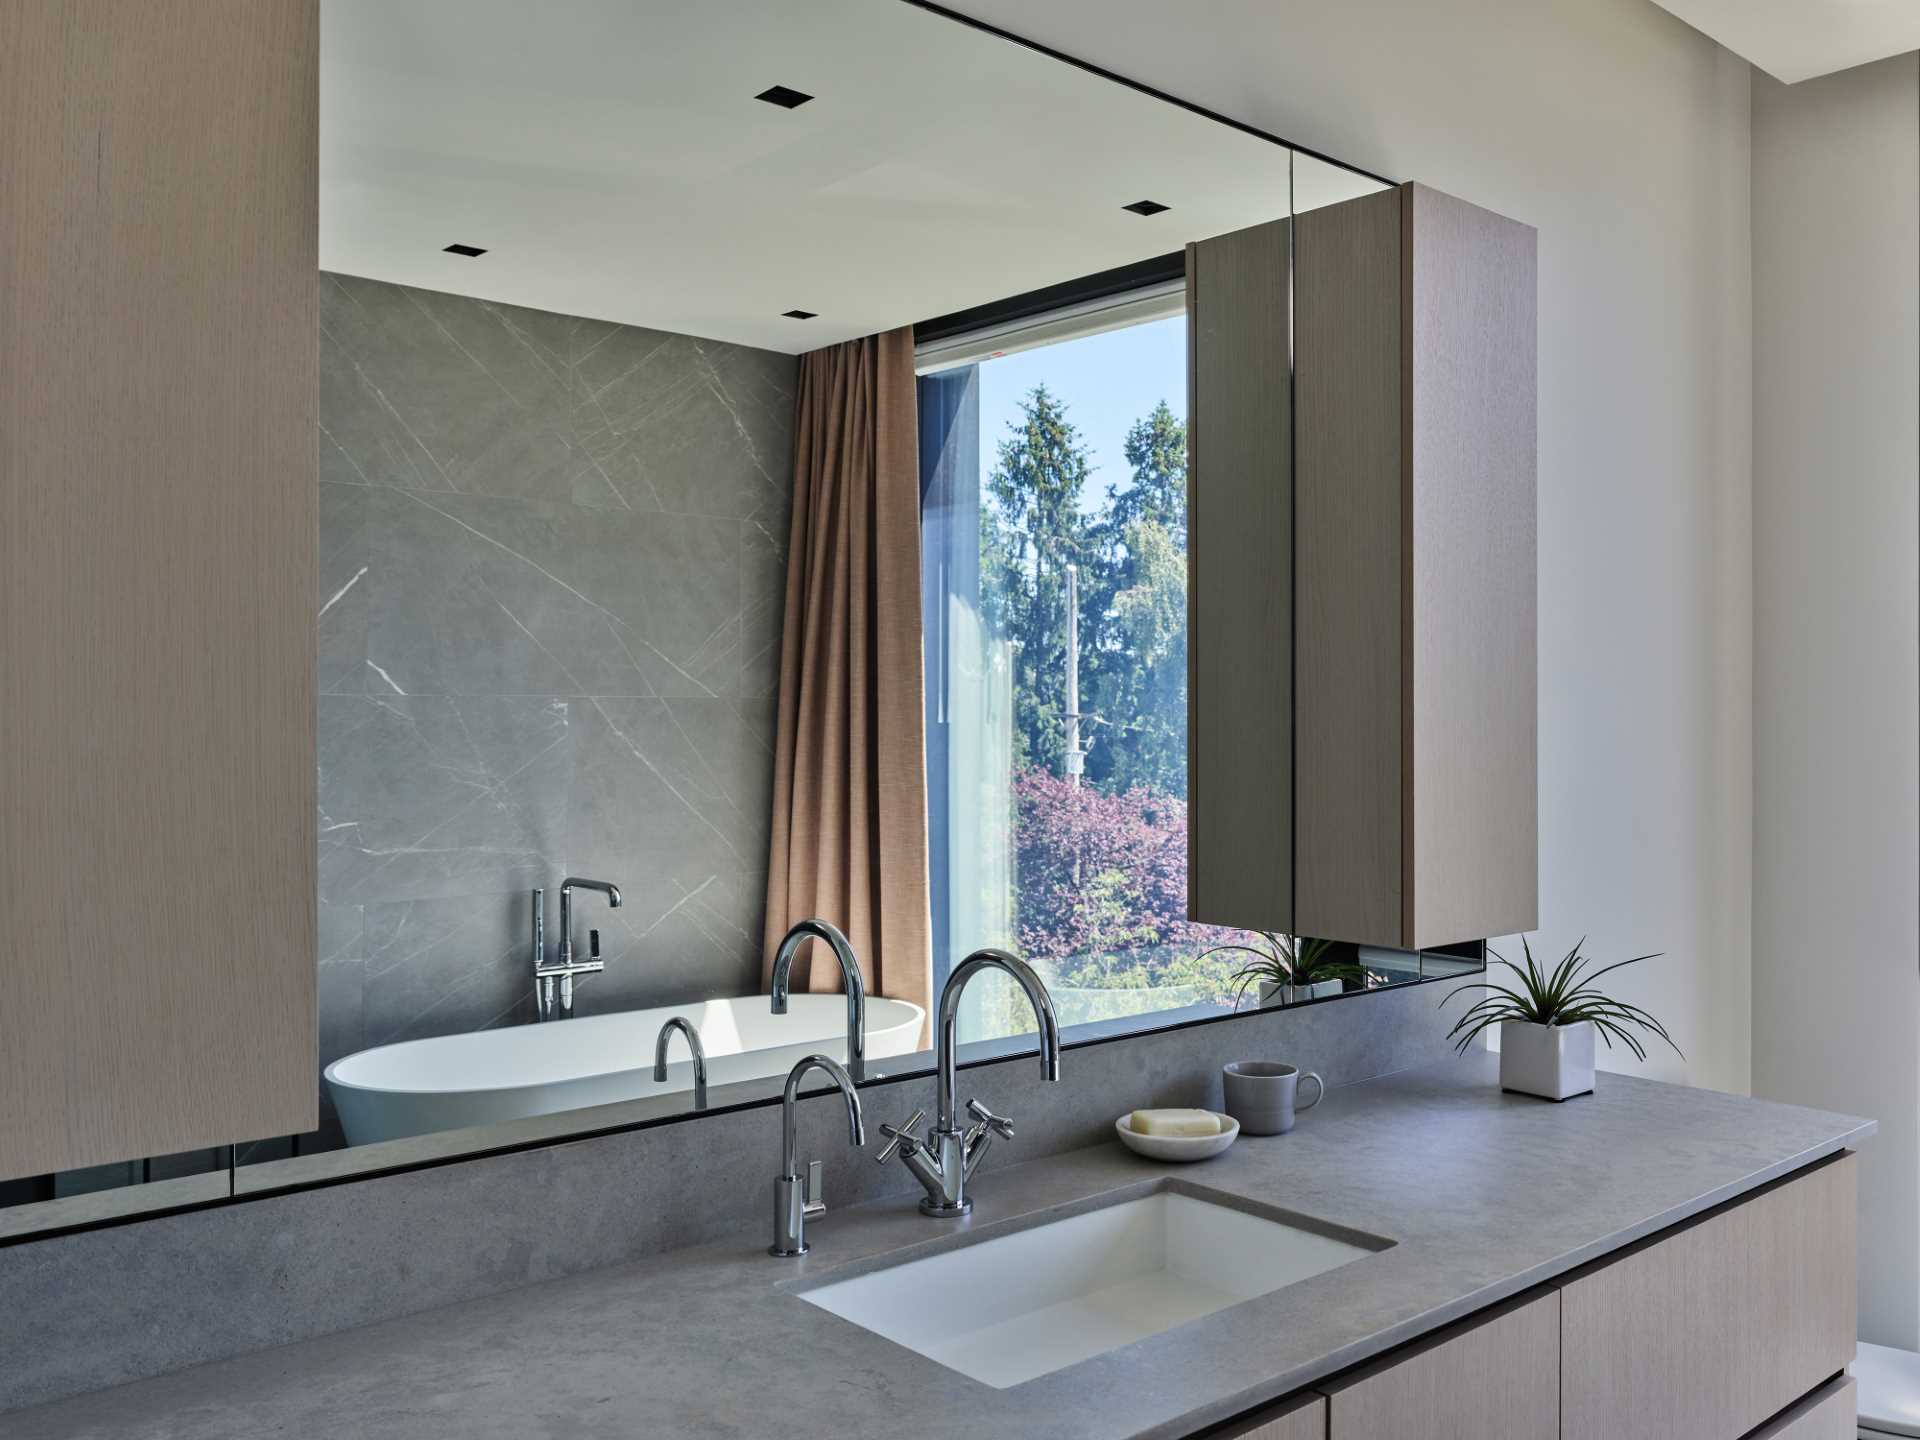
x=1146, y=207
x=467, y=250
x=784, y=97
x=798, y=314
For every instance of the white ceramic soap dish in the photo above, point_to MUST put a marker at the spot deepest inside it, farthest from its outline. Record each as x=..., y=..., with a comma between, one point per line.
x=1177, y=1149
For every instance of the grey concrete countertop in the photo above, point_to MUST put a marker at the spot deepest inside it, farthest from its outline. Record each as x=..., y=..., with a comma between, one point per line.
x=1484, y=1194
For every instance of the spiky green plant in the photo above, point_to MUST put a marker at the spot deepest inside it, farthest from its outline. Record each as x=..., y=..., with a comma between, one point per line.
x=1566, y=995
x=1284, y=960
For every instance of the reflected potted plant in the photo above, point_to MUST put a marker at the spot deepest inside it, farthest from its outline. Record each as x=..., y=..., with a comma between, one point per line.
x=1548, y=1019
x=1287, y=969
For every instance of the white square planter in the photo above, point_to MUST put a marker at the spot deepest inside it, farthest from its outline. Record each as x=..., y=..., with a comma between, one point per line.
x=1271, y=995
x=1552, y=1061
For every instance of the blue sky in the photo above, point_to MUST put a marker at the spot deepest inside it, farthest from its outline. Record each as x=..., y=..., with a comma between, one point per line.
x=1107, y=383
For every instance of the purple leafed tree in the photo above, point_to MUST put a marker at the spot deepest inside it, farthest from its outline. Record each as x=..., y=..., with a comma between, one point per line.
x=1099, y=874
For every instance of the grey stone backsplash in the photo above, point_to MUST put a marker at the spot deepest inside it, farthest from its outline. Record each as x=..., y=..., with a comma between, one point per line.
x=98, y=1307
x=553, y=561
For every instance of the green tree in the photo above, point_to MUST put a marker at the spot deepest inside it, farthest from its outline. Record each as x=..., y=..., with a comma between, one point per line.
x=1032, y=530
x=1139, y=671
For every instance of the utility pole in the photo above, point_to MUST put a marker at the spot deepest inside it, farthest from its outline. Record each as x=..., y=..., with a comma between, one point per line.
x=1076, y=762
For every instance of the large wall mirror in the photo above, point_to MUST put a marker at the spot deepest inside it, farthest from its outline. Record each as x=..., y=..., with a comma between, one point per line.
x=572, y=253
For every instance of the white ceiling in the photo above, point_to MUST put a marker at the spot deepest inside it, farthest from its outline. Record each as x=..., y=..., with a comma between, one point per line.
x=1794, y=40
x=611, y=158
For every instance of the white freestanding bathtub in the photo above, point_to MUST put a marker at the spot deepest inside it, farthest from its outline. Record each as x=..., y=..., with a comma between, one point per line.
x=454, y=1081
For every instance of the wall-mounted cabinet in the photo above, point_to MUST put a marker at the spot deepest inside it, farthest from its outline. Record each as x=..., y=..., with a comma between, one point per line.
x=158, y=383
x=1363, y=573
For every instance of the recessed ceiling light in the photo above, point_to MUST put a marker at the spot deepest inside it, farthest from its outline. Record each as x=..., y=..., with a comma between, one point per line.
x=785, y=98
x=1146, y=207
x=798, y=314
x=467, y=250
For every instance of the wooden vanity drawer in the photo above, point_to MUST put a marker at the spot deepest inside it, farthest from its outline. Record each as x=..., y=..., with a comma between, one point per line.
x=1495, y=1378
x=1296, y=1419
x=1715, y=1329
x=1827, y=1414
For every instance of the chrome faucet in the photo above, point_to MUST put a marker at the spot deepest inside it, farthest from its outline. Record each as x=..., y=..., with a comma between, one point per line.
x=944, y=1160
x=796, y=1201
x=685, y=1027
x=555, y=981
x=850, y=972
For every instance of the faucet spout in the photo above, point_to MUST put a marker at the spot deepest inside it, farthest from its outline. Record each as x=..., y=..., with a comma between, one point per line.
x=946, y=1107
x=685, y=1027
x=856, y=987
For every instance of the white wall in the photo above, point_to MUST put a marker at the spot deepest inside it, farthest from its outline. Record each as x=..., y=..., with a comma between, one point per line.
x=1836, y=938
x=1623, y=136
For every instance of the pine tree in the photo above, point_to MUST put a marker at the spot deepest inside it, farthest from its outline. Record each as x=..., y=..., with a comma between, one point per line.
x=1032, y=530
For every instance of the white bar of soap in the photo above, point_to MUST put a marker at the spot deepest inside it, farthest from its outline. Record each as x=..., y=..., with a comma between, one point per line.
x=1174, y=1122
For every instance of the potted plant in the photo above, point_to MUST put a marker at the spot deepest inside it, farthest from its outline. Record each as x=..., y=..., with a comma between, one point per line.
x=1287, y=969
x=1547, y=1023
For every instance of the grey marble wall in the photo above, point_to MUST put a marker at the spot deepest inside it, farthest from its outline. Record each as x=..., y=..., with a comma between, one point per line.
x=552, y=569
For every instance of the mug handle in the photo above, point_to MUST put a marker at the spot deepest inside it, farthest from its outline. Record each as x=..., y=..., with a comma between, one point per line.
x=1319, y=1094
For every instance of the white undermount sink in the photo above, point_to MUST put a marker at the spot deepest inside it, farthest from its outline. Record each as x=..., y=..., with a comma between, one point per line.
x=1036, y=1300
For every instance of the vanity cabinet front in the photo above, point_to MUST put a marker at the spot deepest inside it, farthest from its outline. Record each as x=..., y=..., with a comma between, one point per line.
x=1496, y=1377
x=1737, y=1324
x=1296, y=1419
x=1715, y=1328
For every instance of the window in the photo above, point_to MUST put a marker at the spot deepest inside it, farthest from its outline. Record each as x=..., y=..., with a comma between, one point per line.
x=1055, y=574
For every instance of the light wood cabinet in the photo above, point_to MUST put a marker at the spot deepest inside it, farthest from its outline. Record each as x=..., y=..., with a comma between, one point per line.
x=1362, y=609
x=1705, y=1333
x=1734, y=1326
x=159, y=380
x=1240, y=580
x=1495, y=1377
x=1298, y=1419
x=1830, y=1413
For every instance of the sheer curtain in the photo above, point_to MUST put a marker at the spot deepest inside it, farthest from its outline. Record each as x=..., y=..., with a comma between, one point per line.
x=849, y=791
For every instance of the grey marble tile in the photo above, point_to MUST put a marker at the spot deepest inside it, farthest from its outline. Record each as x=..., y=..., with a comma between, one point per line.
x=425, y=797
x=452, y=965
x=689, y=425
x=341, y=605
x=673, y=789
x=763, y=600
x=435, y=391
x=488, y=596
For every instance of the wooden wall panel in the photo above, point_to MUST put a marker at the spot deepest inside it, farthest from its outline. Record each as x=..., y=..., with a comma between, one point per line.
x=1240, y=587
x=158, y=388
x=1472, y=688
x=1494, y=1377
x=1717, y=1327
x=1353, y=537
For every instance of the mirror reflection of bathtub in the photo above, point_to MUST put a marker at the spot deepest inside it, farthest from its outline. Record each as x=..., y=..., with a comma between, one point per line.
x=454, y=1081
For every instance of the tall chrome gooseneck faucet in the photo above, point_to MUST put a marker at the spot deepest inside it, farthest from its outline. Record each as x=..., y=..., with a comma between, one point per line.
x=850, y=973
x=555, y=982
x=945, y=1159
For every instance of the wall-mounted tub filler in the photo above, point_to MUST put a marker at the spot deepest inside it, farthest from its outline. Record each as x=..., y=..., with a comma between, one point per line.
x=555, y=982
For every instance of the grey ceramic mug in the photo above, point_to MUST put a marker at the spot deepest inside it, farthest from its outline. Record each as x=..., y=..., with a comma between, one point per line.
x=1260, y=1094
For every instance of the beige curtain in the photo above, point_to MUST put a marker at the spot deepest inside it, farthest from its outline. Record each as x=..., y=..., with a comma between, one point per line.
x=849, y=780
